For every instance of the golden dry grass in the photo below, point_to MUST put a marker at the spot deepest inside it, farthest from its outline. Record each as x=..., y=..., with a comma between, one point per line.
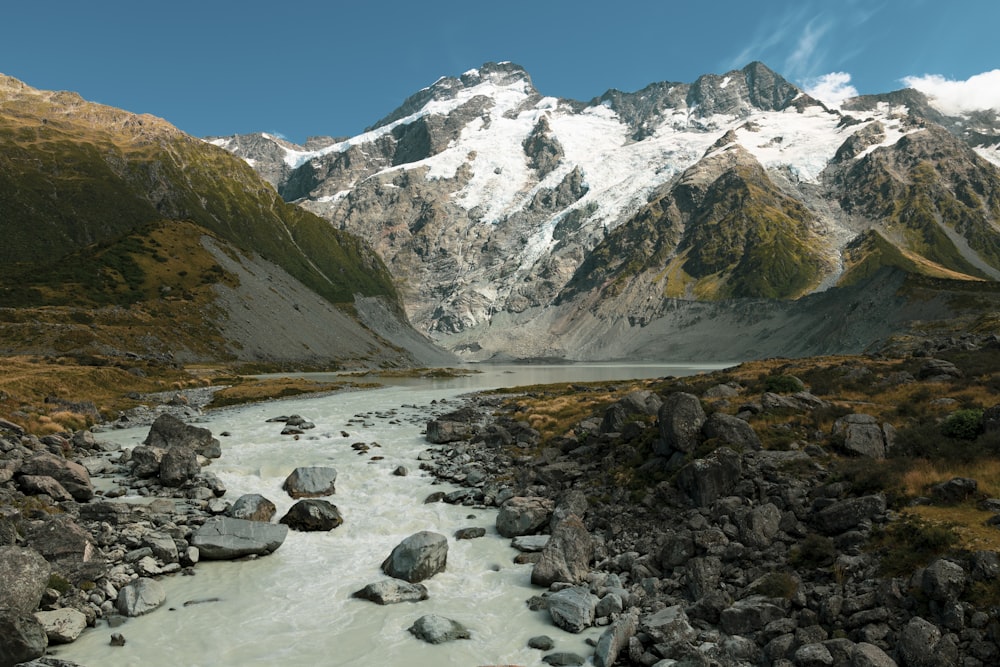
x=923, y=474
x=965, y=521
x=252, y=391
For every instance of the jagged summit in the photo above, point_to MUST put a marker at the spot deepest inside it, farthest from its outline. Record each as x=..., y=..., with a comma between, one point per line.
x=505, y=213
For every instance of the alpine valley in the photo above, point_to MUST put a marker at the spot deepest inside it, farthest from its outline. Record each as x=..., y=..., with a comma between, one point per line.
x=729, y=218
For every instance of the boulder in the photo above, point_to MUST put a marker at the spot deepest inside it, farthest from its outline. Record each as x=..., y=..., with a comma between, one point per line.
x=253, y=507
x=162, y=545
x=918, y=644
x=564, y=659
x=869, y=655
x=225, y=538
x=732, y=431
x=573, y=609
x=706, y=480
x=758, y=525
x=418, y=557
x=146, y=461
x=25, y=575
x=862, y=436
x=749, y=615
x=168, y=431
x=955, y=490
x=615, y=639
x=22, y=637
x=67, y=547
x=312, y=514
x=681, y=418
x=530, y=543
x=140, y=596
x=669, y=626
x=72, y=476
x=178, y=465
x=470, y=533
x=441, y=432
x=438, y=629
x=846, y=514
x=311, y=482
x=937, y=370
x=33, y=485
x=392, y=591
x=524, y=516
x=62, y=626
x=642, y=402
x=943, y=580
x=567, y=555
x=813, y=655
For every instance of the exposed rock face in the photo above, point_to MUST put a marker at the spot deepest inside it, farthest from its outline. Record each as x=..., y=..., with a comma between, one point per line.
x=418, y=557
x=224, y=538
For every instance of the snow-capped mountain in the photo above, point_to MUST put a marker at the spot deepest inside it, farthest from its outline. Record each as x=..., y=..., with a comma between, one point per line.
x=514, y=223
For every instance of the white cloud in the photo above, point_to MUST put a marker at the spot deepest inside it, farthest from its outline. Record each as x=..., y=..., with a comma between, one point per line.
x=981, y=91
x=830, y=89
x=807, y=50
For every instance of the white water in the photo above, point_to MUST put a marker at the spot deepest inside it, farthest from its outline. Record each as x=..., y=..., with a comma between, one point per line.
x=293, y=607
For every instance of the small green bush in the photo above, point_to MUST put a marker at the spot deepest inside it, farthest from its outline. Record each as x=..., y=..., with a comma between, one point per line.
x=963, y=424
x=783, y=384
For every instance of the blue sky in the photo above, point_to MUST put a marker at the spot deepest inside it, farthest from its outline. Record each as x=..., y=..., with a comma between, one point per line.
x=306, y=67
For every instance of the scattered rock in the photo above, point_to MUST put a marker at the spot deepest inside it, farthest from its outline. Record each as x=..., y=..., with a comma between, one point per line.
x=418, y=557
x=224, y=538
x=392, y=591
x=253, y=507
x=140, y=596
x=438, y=629
x=22, y=637
x=524, y=516
x=567, y=555
x=311, y=482
x=62, y=626
x=681, y=418
x=25, y=575
x=572, y=609
x=312, y=514
x=168, y=431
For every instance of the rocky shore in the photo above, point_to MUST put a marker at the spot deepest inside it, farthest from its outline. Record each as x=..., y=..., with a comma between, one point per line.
x=693, y=545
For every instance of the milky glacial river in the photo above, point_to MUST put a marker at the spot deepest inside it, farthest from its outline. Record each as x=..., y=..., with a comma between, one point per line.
x=294, y=607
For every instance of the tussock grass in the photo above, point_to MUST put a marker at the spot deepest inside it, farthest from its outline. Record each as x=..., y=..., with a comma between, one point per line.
x=252, y=391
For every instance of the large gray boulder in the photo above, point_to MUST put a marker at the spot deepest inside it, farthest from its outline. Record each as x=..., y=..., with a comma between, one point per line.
x=33, y=485
x=146, y=461
x=253, y=507
x=140, y=596
x=749, y=615
x=311, y=482
x=392, y=591
x=71, y=475
x=670, y=627
x=523, y=515
x=62, y=626
x=22, y=637
x=438, y=629
x=758, y=525
x=846, y=514
x=862, y=435
x=869, y=655
x=706, y=480
x=178, y=465
x=169, y=431
x=732, y=431
x=25, y=575
x=943, y=580
x=566, y=556
x=68, y=548
x=920, y=645
x=573, y=609
x=312, y=514
x=681, y=418
x=225, y=538
x=418, y=557
x=442, y=432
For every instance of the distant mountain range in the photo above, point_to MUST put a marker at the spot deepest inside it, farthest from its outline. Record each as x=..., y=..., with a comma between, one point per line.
x=728, y=218
x=636, y=224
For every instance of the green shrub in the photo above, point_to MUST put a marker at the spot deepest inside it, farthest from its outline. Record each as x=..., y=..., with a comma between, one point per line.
x=963, y=424
x=783, y=384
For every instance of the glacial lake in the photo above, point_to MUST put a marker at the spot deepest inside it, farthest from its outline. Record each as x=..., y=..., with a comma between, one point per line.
x=294, y=607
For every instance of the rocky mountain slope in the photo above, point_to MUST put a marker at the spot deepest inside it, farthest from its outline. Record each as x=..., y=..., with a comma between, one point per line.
x=504, y=214
x=123, y=234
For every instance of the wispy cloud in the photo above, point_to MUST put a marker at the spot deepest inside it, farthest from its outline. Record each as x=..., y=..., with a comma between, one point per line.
x=808, y=54
x=981, y=91
x=830, y=89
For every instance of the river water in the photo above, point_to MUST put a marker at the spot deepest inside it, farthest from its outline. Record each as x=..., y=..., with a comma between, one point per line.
x=294, y=607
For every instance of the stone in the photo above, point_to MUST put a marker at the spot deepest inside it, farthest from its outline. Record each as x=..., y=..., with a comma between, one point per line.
x=917, y=642
x=573, y=609
x=440, y=432
x=955, y=490
x=668, y=626
x=846, y=514
x=140, y=596
x=541, y=642
x=642, y=402
x=168, y=431
x=146, y=461
x=943, y=580
x=225, y=538
x=67, y=547
x=813, y=655
x=392, y=591
x=862, y=436
x=869, y=655
x=162, y=546
x=567, y=555
x=418, y=557
x=524, y=516
x=22, y=637
x=681, y=418
x=178, y=466
x=749, y=615
x=33, y=485
x=311, y=482
x=62, y=626
x=706, y=480
x=758, y=525
x=530, y=543
x=25, y=575
x=732, y=431
x=614, y=639
x=253, y=507
x=312, y=514
x=435, y=629
x=470, y=533
x=71, y=475
x=937, y=370
x=564, y=659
